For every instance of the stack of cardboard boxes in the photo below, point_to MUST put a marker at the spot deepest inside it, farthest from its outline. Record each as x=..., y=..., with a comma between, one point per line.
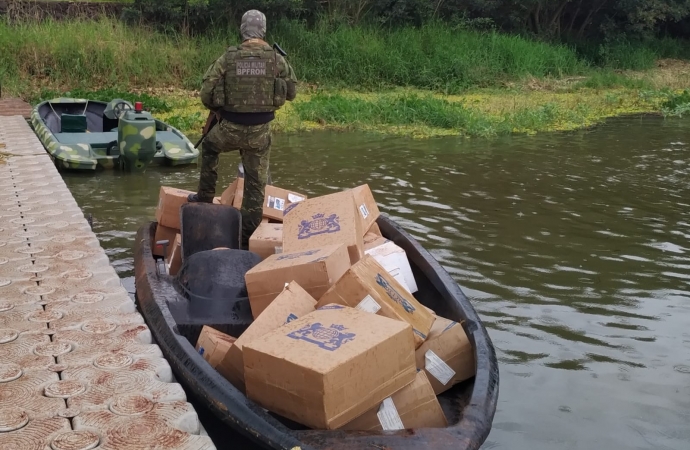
x=338, y=339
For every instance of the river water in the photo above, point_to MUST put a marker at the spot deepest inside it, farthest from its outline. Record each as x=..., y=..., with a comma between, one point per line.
x=574, y=248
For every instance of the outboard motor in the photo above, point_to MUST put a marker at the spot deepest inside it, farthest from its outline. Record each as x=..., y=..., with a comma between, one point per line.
x=136, y=135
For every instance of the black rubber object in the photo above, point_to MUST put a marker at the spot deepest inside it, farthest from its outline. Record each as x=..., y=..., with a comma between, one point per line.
x=205, y=226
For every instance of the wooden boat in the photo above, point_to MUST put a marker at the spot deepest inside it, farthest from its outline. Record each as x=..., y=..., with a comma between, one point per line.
x=469, y=406
x=87, y=134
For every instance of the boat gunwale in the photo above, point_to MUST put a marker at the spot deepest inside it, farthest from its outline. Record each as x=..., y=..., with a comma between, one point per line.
x=468, y=433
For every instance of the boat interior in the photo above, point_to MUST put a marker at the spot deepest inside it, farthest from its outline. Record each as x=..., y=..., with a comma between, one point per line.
x=84, y=123
x=208, y=278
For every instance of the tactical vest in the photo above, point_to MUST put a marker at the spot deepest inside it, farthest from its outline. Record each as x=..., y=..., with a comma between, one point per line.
x=251, y=83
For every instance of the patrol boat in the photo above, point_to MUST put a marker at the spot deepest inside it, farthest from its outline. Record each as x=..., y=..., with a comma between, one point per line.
x=205, y=292
x=86, y=134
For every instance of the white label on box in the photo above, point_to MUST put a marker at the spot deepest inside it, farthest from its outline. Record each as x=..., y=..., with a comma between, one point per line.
x=368, y=304
x=363, y=209
x=389, y=417
x=276, y=203
x=294, y=198
x=438, y=368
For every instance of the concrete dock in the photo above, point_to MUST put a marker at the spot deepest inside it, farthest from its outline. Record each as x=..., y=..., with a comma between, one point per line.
x=78, y=366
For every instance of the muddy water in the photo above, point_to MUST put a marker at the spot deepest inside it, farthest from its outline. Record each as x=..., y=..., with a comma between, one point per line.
x=574, y=248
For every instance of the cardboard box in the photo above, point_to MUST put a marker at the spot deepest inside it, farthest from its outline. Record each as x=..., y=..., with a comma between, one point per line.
x=374, y=229
x=174, y=261
x=293, y=303
x=162, y=234
x=366, y=206
x=394, y=260
x=228, y=195
x=367, y=286
x=414, y=406
x=315, y=270
x=169, y=202
x=330, y=366
x=371, y=240
x=266, y=238
x=452, y=358
x=320, y=221
x=276, y=199
x=213, y=345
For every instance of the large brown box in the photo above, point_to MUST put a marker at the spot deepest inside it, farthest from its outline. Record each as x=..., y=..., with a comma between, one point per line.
x=163, y=233
x=451, y=360
x=266, y=238
x=228, y=195
x=367, y=286
x=291, y=304
x=414, y=406
x=213, y=345
x=367, y=207
x=170, y=200
x=327, y=220
x=174, y=261
x=330, y=366
x=315, y=270
x=276, y=199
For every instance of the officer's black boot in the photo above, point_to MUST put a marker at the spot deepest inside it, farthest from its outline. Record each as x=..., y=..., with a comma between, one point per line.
x=194, y=198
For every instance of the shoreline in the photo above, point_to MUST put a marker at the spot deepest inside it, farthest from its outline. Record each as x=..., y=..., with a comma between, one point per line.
x=479, y=113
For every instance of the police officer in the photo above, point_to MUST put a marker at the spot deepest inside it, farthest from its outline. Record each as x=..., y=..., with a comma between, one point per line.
x=244, y=87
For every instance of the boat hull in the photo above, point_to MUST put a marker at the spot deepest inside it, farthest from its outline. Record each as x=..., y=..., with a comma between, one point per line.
x=471, y=405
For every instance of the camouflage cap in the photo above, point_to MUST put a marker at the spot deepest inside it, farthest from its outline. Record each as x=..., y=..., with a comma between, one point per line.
x=253, y=25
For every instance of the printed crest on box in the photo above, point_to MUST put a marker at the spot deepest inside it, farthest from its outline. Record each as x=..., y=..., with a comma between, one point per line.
x=319, y=224
x=394, y=295
x=290, y=318
x=330, y=338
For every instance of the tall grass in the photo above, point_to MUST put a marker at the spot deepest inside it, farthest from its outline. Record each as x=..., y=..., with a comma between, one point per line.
x=434, y=56
x=106, y=53
x=96, y=54
x=102, y=53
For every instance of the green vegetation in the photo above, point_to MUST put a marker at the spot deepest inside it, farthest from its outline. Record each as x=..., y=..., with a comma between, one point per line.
x=676, y=104
x=92, y=54
x=432, y=79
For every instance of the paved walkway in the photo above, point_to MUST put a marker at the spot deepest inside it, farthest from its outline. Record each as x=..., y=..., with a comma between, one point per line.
x=78, y=368
x=14, y=107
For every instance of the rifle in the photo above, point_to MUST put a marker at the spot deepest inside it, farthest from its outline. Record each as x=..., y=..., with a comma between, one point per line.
x=279, y=50
x=211, y=122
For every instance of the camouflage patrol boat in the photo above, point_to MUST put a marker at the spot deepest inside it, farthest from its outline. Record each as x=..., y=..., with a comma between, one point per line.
x=208, y=290
x=87, y=134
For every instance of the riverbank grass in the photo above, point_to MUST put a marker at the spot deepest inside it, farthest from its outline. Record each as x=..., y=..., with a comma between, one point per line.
x=431, y=81
x=422, y=114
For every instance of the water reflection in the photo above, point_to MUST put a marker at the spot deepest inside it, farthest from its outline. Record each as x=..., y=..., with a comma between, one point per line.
x=572, y=247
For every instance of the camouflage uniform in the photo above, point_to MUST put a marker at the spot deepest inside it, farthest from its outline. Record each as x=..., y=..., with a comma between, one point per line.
x=252, y=141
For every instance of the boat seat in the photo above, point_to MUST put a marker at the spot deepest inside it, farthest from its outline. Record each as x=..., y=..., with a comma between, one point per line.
x=73, y=123
x=86, y=138
x=205, y=226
